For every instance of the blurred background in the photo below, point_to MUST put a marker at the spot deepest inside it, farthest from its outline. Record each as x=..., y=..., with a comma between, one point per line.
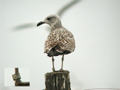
x=96, y=28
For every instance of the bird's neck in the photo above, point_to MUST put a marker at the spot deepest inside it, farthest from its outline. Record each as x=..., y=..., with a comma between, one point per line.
x=53, y=27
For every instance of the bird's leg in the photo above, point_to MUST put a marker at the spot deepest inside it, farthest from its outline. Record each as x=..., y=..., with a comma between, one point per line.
x=62, y=63
x=53, y=68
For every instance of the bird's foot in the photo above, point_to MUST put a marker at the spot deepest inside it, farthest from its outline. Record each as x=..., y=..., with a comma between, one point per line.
x=61, y=70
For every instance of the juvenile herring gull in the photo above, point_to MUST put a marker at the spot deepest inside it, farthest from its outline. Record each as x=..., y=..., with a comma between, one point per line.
x=60, y=41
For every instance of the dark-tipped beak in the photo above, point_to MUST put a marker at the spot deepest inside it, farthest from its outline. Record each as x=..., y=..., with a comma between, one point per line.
x=40, y=23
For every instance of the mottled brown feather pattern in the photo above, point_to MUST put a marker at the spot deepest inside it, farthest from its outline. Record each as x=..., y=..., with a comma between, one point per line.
x=61, y=37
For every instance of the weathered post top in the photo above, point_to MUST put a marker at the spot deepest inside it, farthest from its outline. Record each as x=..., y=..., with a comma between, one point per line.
x=58, y=80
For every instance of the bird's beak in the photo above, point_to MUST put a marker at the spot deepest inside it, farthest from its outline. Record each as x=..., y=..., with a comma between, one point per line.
x=40, y=23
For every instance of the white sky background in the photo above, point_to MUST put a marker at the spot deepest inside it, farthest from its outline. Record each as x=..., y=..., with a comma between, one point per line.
x=95, y=25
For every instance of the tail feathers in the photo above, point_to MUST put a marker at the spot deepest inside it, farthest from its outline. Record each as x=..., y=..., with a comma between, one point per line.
x=53, y=53
x=57, y=51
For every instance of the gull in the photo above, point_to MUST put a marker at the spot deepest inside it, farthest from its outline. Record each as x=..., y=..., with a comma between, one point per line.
x=60, y=41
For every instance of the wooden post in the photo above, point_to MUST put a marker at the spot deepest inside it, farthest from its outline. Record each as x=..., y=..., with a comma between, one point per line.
x=58, y=80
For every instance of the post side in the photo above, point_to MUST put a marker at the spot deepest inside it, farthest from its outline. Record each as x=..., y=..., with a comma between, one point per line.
x=58, y=80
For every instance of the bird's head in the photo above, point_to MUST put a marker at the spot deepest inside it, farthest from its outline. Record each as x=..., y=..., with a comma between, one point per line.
x=51, y=20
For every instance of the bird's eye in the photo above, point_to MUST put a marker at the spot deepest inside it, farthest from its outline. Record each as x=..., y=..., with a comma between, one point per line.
x=48, y=18
x=51, y=19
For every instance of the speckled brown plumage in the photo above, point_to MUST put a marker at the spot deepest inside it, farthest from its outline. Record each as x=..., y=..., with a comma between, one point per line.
x=61, y=38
